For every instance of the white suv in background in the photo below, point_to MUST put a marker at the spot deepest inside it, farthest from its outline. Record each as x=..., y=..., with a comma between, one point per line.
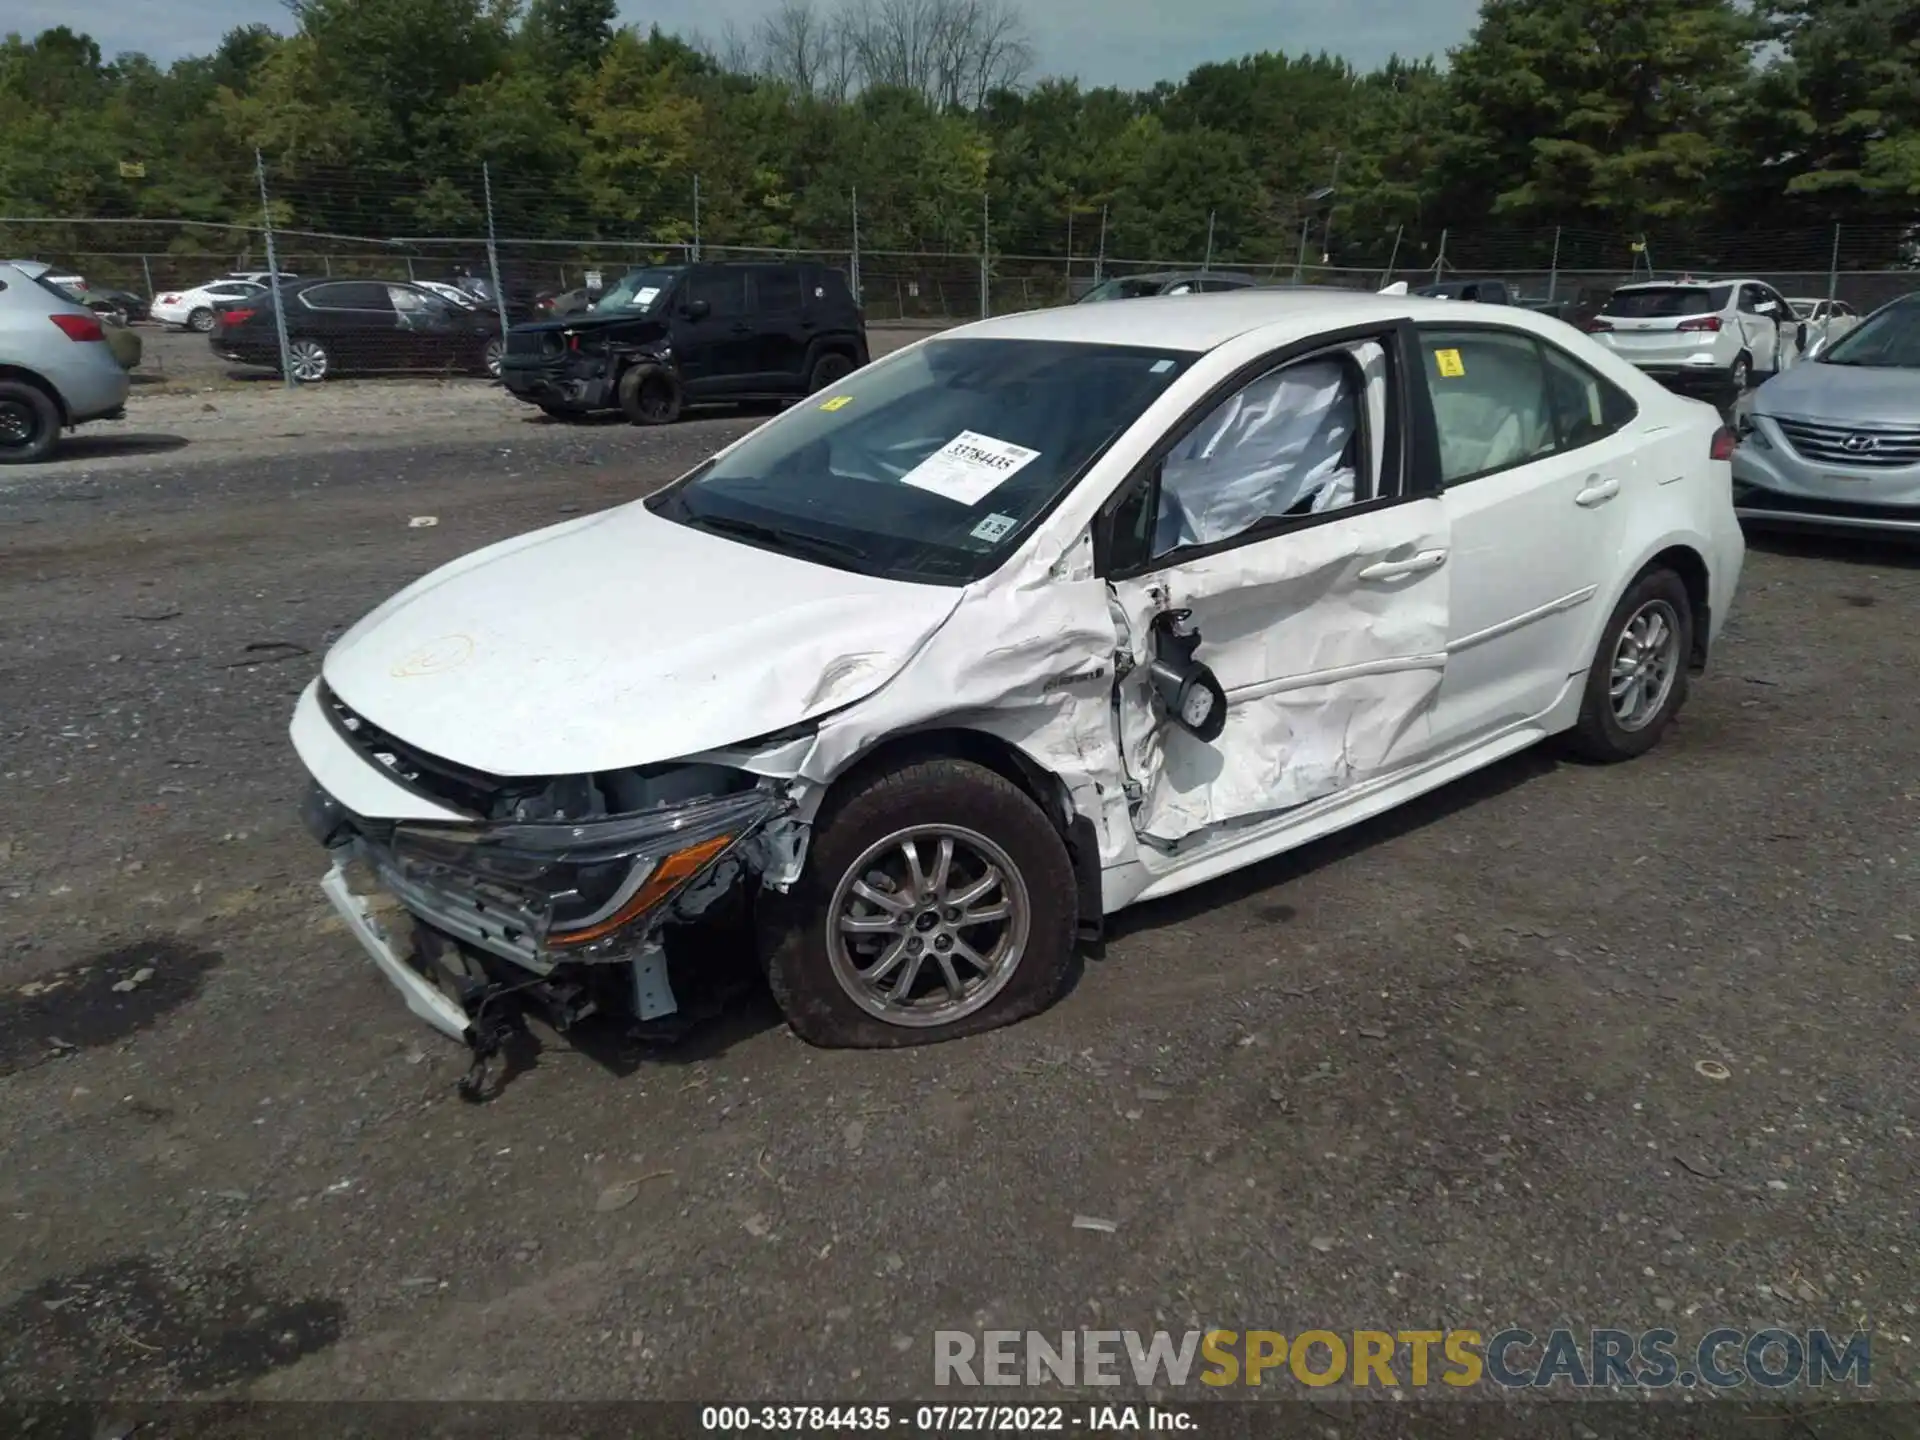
x=1712, y=336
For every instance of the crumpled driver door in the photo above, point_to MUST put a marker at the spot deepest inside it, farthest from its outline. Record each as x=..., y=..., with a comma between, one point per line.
x=1319, y=589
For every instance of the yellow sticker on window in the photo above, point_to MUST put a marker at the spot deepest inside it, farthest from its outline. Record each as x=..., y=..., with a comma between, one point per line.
x=1451, y=366
x=838, y=402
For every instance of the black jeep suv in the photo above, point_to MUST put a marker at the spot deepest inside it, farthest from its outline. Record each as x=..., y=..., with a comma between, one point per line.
x=674, y=335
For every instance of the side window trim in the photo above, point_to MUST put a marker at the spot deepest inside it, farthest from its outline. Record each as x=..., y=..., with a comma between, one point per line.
x=1410, y=480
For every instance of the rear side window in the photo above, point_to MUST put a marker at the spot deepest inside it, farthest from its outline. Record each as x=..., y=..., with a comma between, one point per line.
x=1490, y=401
x=1586, y=406
x=1658, y=302
x=777, y=291
x=349, y=295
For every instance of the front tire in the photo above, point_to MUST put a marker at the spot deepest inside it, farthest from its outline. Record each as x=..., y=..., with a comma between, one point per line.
x=938, y=901
x=1638, y=680
x=29, y=423
x=650, y=395
x=829, y=369
x=201, y=321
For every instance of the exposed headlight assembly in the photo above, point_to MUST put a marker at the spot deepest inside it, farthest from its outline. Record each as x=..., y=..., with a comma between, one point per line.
x=577, y=883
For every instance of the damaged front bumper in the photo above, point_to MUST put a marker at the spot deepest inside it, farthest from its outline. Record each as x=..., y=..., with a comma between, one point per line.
x=581, y=382
x=566, y=914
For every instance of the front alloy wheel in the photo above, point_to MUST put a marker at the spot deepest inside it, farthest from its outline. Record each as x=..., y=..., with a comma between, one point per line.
x=928, y=925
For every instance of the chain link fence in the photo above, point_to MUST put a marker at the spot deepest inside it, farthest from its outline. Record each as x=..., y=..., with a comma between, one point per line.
x=533, y=240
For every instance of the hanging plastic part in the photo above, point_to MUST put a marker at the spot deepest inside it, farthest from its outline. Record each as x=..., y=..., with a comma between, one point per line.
x=1193, y=696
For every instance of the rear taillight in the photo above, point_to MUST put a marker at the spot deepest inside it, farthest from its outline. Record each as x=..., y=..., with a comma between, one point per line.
x=168, y=300
x=1705, y=322
x=1596, y=325
x=1723, y=442
x=235, y=317
x=80, y=327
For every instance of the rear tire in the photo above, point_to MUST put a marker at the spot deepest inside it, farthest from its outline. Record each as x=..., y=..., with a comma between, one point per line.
x=1638, y=680
x=29, y=423
x=1740, y=377
x=201, y=321
x=650, y=395
x=490, y=355
x=1011, y=959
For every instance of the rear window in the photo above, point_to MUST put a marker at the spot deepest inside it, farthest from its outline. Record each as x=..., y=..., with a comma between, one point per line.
x=1653, y=302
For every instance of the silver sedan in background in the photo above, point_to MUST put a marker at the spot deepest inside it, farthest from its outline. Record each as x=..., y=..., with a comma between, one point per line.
x=1836, y=442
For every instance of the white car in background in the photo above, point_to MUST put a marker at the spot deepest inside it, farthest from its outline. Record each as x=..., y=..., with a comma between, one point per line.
x=262, y=278
x=1826, y=320
x=1077, y=609
x=195, y=308
x=1711, y=337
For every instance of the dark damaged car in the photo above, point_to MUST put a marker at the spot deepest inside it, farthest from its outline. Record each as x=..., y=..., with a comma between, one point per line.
x=671, y=336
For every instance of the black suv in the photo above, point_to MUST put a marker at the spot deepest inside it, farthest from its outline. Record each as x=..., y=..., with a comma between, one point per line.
x=673, y=335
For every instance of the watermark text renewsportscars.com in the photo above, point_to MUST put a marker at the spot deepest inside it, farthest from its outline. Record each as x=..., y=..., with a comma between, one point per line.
x=1511, y=1359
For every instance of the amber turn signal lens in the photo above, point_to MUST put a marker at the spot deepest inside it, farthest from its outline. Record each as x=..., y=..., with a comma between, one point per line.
x=671, y=873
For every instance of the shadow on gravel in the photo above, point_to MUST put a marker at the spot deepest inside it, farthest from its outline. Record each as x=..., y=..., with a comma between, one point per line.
x=98, y=1002
x=1435, y=806
x=1850, y=547
x=104, y=447
x=132, y=1325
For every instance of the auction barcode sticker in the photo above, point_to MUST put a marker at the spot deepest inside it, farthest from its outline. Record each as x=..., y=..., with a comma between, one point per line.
x=970, y=467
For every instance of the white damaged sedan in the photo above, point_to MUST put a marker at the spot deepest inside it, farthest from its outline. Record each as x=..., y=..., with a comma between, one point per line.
x=1025, y=624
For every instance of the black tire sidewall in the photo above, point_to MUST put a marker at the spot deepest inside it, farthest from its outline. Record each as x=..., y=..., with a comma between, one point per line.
x=46, y=420
x=930, y=792
x=634, y=381
x=1599, y=735
x=829, y=369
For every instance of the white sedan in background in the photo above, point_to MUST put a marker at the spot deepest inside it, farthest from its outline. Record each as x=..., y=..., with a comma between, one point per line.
x=1826, y=320
x=1076, y=609
x=195, y=308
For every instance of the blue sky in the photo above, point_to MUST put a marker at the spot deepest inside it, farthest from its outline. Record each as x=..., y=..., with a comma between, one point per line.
x=1104, y=42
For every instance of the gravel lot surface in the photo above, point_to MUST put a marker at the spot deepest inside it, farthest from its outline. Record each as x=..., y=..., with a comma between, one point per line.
x=1446, y=1070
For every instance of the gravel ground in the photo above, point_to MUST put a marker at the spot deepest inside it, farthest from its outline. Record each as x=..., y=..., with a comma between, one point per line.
x=1444, y=1070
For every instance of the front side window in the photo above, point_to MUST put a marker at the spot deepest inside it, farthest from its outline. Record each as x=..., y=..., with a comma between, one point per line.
x=724, y=290
x=929, y=465
x=1288, y=444
x=1490, y=401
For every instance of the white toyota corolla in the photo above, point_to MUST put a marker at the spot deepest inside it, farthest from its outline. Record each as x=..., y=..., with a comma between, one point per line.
x=1015, y=628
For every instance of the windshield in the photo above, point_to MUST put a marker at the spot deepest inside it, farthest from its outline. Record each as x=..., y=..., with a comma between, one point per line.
x=1667, y=301
x=1887, y=340
x=930, y=465
x=1124, y=288
x=639, y=289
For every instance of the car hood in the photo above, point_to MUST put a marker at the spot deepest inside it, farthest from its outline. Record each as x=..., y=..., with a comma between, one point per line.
x=594, y=320
x=622, y=639
x=1847, y=393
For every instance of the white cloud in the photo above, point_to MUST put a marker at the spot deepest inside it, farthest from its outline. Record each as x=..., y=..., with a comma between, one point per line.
x=1105, y=42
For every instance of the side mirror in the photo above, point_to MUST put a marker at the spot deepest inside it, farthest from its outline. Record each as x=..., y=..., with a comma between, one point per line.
x=696, y=309
x=1191, y=693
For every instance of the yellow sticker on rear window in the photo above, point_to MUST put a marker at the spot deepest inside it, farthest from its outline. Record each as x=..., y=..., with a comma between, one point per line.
x=838, y=402
x=1451, y=366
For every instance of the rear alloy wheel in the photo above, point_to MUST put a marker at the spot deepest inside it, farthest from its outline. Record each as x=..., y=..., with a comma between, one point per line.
x=650, y=395
x=309, y=361
x=490, y=356
x=201, y=321
x=29, y=423
x=937, y=901
x=828, y=370
x=1638, y=681
x=1741, y=376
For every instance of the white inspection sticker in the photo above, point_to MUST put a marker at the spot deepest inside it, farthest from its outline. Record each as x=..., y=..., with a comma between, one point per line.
x=994, y=526
x=970, y=467
x=645, y=296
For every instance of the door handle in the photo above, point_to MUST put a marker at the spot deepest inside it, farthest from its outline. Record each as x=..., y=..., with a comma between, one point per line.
x=1394, y=569
x=1598, y=491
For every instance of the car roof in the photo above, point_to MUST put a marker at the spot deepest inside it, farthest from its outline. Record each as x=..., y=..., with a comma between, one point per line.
x=1710, y=282
x=1199, y=323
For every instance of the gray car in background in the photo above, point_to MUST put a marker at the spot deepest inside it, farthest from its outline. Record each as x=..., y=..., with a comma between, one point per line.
x=56, y=369
x=1836, y=441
